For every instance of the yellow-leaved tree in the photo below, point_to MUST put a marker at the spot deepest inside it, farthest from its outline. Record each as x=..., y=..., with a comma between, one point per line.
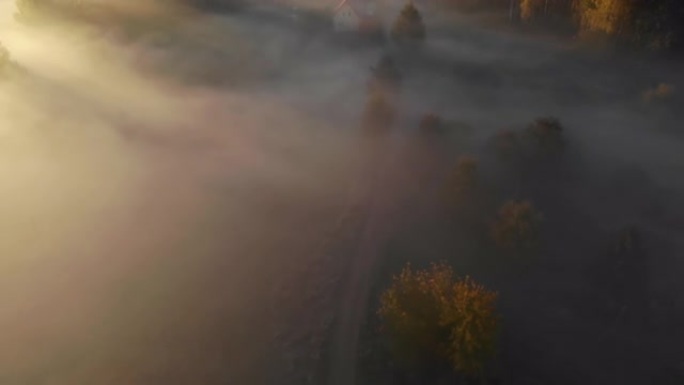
x=470, y=314
x=530, y=9
x=611, y=17
x=432, y=316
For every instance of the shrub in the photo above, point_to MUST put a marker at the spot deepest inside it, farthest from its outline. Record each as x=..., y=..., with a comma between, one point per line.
x=432, y=315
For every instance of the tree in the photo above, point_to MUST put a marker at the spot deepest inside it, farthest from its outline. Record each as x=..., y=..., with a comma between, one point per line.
x=660, y=93
x=546, y=137
x=556, y=10
x=652, y=24
x=432, y=315
x=463, y=187
x=531, y=9
x=409, y=26
x=629, y=273
x=474, y=324
x=385, y=77
x=383, y=85
x=610, y=17
x=507, y=145
x=411, y=311
x=516, y=229
x=378, y=114
x=430, y=124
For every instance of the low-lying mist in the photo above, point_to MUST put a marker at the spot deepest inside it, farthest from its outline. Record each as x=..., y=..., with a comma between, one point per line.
x=161, y=188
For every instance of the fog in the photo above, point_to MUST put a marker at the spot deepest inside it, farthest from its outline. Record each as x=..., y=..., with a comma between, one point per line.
x=182, y=206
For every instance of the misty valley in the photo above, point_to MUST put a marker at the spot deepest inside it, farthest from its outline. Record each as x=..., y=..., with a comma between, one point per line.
x=341, y=192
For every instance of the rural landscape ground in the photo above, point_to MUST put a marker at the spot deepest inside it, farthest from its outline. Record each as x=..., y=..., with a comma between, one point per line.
x=198, y=205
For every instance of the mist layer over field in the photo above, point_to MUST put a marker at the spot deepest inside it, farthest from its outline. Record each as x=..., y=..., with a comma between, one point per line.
x=175, y=203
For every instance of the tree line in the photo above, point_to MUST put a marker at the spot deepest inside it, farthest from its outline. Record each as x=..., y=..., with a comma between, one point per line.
x=650, y=24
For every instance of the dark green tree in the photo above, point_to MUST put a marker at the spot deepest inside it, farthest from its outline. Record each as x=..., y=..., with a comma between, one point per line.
x=409, y=26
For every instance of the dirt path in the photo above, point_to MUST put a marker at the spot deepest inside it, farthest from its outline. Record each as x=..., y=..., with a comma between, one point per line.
x=375, y=229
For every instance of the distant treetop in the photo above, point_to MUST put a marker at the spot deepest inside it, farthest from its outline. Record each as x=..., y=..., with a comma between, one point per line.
x=409, y=26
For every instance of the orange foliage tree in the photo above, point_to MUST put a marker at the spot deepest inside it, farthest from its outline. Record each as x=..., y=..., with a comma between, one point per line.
x=611, y=17
x=530, y=9
x=432, y=315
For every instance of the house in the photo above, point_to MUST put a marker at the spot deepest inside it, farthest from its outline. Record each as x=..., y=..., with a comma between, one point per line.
x=356, y=16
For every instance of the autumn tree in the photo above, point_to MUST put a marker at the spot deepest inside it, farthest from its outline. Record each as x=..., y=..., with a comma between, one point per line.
x=531, y=9
x=643, y=23
x=557, y=11
x=411, y=311
x=409, y=26
x=473, y=323
x=611, y=17
x=516, y=228
x=431, y=315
